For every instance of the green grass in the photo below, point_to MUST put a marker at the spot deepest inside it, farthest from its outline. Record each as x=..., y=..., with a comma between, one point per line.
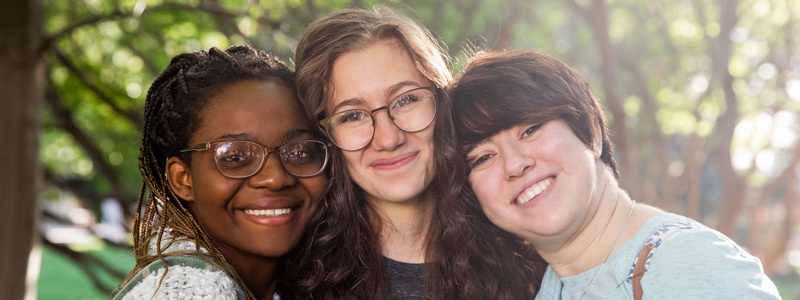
x=789, y=288
x=61, y=278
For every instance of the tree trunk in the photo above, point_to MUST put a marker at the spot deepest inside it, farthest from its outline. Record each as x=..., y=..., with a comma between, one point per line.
x=735, y=187
x=21, y=85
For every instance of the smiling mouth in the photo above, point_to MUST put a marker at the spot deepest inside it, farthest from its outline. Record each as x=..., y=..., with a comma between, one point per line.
x=394, y=163
x=268, y=212
x=533, y=191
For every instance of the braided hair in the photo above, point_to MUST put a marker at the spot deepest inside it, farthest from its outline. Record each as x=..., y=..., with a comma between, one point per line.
x=173, y=112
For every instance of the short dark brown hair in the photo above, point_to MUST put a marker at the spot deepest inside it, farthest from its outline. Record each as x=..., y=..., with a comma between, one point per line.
x=499, y=90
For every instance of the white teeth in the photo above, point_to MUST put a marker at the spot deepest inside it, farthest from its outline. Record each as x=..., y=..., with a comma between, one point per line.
x=268, y=212
x=534, y=191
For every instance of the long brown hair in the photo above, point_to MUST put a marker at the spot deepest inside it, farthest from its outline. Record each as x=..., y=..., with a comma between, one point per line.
x=173, y=111
x=468, y=257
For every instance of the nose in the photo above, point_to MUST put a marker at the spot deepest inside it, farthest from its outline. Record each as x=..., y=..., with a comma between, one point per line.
x=387, y=136
x=515, y=161
x=272, y=175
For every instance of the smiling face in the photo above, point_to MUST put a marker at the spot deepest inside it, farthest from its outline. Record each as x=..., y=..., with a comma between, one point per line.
x=395, y=166
x=264, y=215
x=537, y=181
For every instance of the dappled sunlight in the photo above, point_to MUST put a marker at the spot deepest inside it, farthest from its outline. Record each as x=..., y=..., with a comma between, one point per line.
x=703, y=111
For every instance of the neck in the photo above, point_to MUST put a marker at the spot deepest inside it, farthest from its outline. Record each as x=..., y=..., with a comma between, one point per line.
x=404, y=228
x=259, y=274
x=605, y=229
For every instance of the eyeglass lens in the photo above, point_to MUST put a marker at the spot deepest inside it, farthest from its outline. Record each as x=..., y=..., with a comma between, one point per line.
x=411, y=112
x=238, y=159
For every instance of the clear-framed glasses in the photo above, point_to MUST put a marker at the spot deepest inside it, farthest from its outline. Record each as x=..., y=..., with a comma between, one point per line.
x=242, y=159
x=411, y=111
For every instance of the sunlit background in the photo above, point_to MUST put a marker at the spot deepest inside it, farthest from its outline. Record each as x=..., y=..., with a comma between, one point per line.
x=703, y=99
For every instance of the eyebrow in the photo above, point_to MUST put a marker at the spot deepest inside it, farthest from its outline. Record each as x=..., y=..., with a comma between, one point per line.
x=397, y=86
x=349, y=102
x=295, y=133
x=238, y=136
x=393, y=89
x=476, y=145
x=288, y=135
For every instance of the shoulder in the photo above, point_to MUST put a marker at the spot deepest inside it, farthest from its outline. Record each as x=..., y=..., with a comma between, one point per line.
x=181, y=277
x=678, y=236
x=688, y=254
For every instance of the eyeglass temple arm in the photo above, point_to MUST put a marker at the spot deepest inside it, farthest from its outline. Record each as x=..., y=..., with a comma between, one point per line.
x=198, y=147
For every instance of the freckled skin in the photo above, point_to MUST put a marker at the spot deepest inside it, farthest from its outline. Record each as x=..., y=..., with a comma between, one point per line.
x=368, y=75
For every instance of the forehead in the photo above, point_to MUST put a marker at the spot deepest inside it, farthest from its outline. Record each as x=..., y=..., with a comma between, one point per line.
x=370, y=72
x=265, y=111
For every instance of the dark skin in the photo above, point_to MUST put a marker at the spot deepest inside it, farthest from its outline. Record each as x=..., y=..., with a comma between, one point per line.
x=253, y=221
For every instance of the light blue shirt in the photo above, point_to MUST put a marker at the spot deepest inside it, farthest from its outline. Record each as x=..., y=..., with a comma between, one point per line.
x=688, y=261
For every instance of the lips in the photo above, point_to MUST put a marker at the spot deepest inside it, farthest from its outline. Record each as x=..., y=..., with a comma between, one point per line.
x=394, y=163
x=268, y=212
x=534, y=190
x=271, y=212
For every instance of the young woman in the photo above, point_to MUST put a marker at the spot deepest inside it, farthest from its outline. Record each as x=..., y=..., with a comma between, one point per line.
x=394, y=226
x=542, y=167
x=234, y=176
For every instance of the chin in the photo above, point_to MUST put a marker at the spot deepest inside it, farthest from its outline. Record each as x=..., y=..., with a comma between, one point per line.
x=272, y=251
x=406, y=195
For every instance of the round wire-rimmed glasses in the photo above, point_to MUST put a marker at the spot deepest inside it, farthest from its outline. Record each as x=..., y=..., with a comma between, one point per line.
x=354, y=129
x=243, y=159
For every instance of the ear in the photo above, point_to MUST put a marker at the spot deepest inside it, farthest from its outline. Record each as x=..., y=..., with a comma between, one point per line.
x=180, y=179
x=597, y=142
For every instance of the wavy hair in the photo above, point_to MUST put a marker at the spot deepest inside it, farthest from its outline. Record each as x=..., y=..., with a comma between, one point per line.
x=467, y=257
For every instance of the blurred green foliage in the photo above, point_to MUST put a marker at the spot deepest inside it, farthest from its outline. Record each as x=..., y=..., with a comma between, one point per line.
x=664, y=64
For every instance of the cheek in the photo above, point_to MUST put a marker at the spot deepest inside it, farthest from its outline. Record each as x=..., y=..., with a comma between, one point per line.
x=213, y=189
x=489, y=187
x=352, y=161
x=481, y=185
x=317, y=187
x=426, y=136
x=426, y=141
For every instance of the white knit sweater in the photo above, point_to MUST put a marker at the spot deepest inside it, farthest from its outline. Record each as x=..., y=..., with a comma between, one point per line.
x=190, y=278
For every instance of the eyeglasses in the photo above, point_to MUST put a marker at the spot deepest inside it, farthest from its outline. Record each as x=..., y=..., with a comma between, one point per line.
x=354, y=129
x=242, y=159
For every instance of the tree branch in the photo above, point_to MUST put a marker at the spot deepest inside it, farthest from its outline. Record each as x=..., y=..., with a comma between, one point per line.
x=503, y=39
x=597, y=16
x=134, y=117
x=67, y=123
x=118, y=13
x=49, y=40
x=735, y=188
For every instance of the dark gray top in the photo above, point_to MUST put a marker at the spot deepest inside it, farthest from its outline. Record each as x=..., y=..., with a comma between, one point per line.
x=406, y=281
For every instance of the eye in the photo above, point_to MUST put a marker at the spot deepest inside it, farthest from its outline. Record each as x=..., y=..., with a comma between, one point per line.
x=405, y=100
x=531, y=130
x=352, y=116
x=480, y=161
x=235, y=156
x=300, y=153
